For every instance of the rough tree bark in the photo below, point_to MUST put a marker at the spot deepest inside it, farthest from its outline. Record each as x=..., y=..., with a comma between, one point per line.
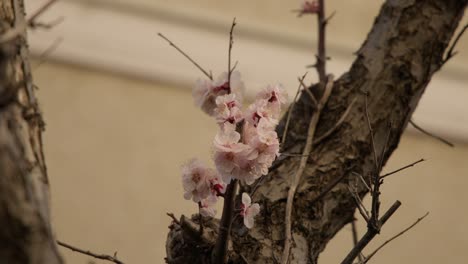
x=25, y=234
x=394, y=65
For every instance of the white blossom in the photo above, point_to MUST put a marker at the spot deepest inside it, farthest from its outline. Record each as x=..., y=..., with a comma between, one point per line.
x=228, y=109
x=205, y=92
x=249, y=210
x=196, y=180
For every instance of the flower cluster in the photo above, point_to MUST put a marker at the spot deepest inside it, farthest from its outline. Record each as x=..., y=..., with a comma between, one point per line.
x=244, y=147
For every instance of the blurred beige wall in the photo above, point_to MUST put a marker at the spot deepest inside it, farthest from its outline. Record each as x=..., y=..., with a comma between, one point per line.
x=114, y=147
x=120, y=120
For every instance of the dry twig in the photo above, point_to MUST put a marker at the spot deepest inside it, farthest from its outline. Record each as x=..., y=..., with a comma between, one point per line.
x=394, y=237
x=45, y=54
x=91, y=254
x=302, y=165
x=402, y=168
x=209, y=75
x=290, y=110
x=451, y=51
x=32, y=20
x=422, y=130
x=374, y=223
x=231, y=42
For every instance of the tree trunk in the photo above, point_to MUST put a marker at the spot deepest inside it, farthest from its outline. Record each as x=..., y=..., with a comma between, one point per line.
x=25, y=234
x=394, y=65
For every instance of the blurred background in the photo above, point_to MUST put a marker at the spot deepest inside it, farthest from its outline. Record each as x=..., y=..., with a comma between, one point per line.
x=121, y=120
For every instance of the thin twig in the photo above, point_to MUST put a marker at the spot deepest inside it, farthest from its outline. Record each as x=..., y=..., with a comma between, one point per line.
x=362, y=209
x=431, y=134
x=329, y=17
x=48, y=25
x=369, y=235
x=337, y=124
x=362, y=180
x=231, y=42
x=309, y=93
x=375, y=176
x=451, y=51
x=45, y=54
x=402, y=168
x=171, y=215
x=291, y=108
x=355, y=237
x=32, y=19
x=209, y=75
x=395, y=237
x=321, y=55
x=302, y=165
x=91, y=254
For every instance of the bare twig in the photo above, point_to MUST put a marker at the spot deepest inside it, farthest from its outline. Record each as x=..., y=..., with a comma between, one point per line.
x=45, y=54
x=231, y=42
x=171, y=215
x=362, y=180
x=209, y=75
x=451, y=51
x=355, y=237
x=32, y=19
x=291, y=108
x=91, y=254
x=431, y=134
x=48, y=25
x=375, y=176
x=337, y=124
x=370, y=234
x=302, y=165
x=309, y=93
x=402, y=168
x=329, y=17
x=374, y=224
x=362, y=209
x=395, y=237
x=321, y=56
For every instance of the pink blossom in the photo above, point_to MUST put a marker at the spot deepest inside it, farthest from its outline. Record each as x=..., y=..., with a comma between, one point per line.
x=264, y=140
x=249, y=210
x=228, y=109
x=228, y=152
x=196, y=179
x=260, y=110
x=276, y=97
x=217, y=186
x=274, y=94
x=207, y=206
x=205, y=92
x=309, y=7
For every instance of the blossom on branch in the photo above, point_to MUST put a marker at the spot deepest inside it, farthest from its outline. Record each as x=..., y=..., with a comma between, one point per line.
x=276, y=97
x=228, y=109
x=309, y=7
x=231, y=155
x=197, y=180
x=205, y=91
x=249, y=210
